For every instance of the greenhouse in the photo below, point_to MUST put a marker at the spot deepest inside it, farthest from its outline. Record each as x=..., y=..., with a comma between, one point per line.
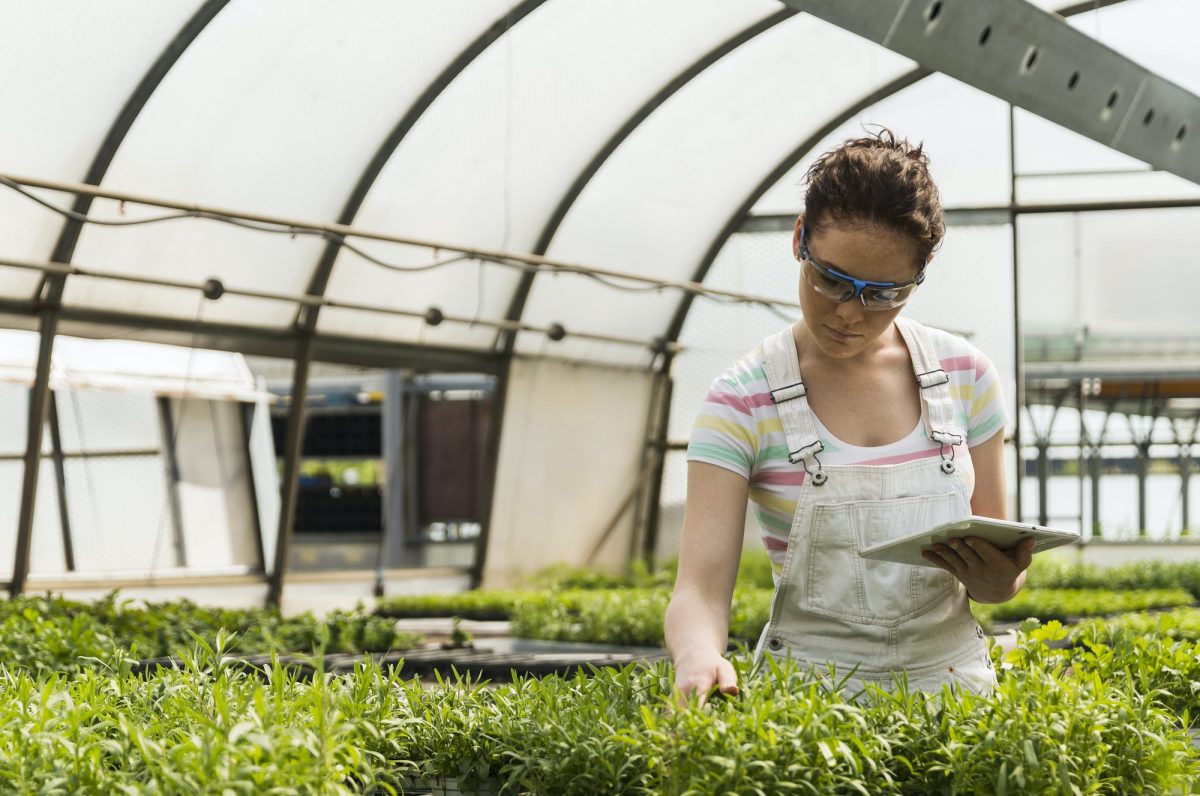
x=406, y=397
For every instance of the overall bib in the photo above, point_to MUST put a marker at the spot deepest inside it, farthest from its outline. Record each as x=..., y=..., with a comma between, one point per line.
x=876, y=618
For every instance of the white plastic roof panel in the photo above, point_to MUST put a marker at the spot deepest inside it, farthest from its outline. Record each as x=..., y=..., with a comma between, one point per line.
x=658, y=203
x=189, y=251
x=17, y=283
x=276, y=108
x=488, y=162
x=68, y=68
x=964, y=130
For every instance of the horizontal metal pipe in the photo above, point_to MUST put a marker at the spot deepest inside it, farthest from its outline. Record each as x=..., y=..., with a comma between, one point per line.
x=345, y=231
x=74, y=270
x=10, y=457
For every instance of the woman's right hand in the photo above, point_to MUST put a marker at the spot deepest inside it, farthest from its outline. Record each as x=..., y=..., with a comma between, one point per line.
x=698, y=671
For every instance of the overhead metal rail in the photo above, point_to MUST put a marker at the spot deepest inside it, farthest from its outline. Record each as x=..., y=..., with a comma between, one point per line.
x=215, y=291
x=299, y=226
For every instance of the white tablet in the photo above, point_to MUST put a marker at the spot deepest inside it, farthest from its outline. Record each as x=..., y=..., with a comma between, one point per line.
x=1001, y=533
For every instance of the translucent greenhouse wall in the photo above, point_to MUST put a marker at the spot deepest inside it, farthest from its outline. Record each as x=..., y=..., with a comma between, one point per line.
x=570, y=454
x=123, y=522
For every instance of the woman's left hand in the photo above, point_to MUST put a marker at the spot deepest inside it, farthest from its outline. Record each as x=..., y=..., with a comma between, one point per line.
x=990, y=574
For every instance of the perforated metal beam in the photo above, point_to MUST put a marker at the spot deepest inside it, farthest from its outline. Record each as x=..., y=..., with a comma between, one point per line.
x=1033, y=59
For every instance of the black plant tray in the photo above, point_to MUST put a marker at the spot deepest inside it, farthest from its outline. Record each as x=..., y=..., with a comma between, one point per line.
x=480, y=662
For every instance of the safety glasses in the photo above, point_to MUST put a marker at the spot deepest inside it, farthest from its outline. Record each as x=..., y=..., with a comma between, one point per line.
x=832, y=284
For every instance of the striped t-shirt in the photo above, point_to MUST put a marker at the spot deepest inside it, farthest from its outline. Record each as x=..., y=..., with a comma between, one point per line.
x=738, y=428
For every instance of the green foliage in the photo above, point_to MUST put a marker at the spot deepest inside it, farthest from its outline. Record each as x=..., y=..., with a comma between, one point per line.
x=459, y=637
x=1062, y=604
x=208, y=728
x=54, y=634
x=1051, y=573
x=632, y=617
x=1047, y=730
x=478, y=604
x=1090, y=718
x=754, y=570
x=784, y=734
x=1180, y=624
x=564, y=577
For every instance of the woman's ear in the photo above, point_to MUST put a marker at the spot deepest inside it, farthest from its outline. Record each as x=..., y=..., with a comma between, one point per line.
x=796, y=236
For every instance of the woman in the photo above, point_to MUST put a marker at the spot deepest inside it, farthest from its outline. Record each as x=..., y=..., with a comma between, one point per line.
x=851, y=427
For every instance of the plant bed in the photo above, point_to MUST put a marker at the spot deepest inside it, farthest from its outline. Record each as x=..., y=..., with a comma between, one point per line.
x=54, y=634
x=450, y=786
x=1102, y=718
x=477, y=605
x=1069, y=605
x=632, y=617
x=481, y=661
x=1139, y=575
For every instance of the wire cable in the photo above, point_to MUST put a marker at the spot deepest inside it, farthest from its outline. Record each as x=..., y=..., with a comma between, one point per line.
x=293, y=230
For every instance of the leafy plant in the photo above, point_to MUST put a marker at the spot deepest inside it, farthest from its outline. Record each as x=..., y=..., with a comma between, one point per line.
x=1064, y=604
x=480, y=605
x=1048, y=572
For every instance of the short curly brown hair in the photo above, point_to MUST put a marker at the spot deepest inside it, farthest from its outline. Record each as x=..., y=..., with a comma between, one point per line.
x=877, y=180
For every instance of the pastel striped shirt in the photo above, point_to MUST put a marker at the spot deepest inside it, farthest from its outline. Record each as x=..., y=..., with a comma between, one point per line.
x=738, y=428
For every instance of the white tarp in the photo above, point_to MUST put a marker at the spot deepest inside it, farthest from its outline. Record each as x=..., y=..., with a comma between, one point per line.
x=127, y=366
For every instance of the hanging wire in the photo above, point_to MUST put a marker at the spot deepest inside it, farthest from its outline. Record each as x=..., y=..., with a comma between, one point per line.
x=612, y=281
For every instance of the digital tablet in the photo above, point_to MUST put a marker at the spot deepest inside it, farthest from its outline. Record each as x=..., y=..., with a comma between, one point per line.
x=1001, y=533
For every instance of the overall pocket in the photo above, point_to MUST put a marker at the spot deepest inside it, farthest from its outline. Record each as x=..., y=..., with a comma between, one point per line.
x=842, y=584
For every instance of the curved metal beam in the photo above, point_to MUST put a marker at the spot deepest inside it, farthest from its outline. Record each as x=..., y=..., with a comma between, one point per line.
x=387, y=148
x=306, y=317
x=506, y=340
x=50, y=290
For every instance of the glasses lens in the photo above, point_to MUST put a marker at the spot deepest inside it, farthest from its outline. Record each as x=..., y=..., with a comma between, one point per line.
x=886, y=298
x=827, y=284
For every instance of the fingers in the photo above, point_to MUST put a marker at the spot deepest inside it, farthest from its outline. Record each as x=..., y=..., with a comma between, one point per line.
x=727, y=678
x=721, y=679
x=1024, y=554
x=957, y=556
x=695, y=686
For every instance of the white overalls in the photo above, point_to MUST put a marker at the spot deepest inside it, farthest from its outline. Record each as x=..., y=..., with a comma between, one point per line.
x=874, y=617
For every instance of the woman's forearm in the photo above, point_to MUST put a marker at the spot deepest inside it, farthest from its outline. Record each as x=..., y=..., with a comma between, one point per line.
x=695, y=621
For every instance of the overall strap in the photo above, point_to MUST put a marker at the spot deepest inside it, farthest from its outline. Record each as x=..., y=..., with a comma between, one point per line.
x=937, y=402
x=781, y=364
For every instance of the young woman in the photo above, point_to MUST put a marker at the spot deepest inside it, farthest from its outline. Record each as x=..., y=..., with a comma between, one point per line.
x=850, y=427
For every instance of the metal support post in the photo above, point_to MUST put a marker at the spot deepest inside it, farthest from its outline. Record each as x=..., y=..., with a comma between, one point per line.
x=395, y=445
x=1043, y=476
x=293, y=447
x=60, y=473
x=171, y=471
x=1185, y=474
x=39, y=402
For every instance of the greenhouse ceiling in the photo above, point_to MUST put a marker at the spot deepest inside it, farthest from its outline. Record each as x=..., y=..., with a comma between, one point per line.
x=448, y=183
